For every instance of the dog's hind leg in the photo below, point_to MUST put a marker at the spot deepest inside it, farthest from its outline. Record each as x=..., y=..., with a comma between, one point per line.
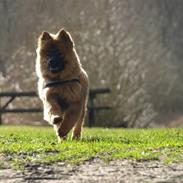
x=70, y=119
x=76, y=134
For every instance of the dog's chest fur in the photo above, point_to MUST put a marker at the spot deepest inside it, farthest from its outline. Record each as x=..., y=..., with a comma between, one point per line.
x=65, y=95
x=63, y=103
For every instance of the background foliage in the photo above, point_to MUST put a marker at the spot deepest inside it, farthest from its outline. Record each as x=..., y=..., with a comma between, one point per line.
x=133, y=47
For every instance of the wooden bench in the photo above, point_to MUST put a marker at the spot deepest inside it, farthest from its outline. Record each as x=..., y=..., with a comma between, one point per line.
x=12, y=95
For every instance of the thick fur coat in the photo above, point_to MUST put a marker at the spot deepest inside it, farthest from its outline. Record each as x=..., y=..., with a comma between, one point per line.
x=64, y=105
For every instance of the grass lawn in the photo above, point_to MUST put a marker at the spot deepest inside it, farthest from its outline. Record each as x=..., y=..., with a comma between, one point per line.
x=22, y=145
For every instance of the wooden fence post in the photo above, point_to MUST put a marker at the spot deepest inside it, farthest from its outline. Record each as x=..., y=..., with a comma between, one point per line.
x=91, y=113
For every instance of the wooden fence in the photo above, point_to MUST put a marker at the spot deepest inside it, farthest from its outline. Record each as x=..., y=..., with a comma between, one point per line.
x=92, y=108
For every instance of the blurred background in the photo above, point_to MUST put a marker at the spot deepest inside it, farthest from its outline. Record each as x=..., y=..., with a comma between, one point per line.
x=133, y=47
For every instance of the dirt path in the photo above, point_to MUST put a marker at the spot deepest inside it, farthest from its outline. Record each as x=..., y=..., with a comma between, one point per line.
x=122, y=171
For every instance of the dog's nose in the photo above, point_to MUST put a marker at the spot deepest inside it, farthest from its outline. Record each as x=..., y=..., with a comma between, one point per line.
x=51, y=61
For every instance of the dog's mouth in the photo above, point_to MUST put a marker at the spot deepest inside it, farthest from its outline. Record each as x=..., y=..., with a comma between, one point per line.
x=55, y=70
x=55, y=65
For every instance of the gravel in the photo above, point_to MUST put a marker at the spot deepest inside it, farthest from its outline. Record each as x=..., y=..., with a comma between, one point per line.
x=96, y=170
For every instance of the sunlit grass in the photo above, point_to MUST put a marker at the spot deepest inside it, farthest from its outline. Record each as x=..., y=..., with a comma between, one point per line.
x=23, y=145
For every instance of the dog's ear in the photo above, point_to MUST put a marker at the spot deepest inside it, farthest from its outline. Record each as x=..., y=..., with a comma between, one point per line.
x=66, y=38
x=45, y=36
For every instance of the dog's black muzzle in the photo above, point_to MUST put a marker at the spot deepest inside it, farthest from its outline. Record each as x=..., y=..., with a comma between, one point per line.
x=55, y=64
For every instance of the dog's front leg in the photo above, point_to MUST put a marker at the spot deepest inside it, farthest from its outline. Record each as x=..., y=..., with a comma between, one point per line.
x=54, y=111
x=57, y=115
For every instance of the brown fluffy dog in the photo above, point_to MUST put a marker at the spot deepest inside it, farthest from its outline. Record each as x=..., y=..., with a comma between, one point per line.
x=63, y=83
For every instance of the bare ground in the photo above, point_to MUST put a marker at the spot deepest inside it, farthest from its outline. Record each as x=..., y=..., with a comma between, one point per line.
x=96, y=170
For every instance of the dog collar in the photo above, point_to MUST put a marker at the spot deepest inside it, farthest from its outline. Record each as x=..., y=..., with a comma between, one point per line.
x=57, y=83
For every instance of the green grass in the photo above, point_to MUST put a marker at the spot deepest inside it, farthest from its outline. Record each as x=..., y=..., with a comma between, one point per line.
x=22, y=145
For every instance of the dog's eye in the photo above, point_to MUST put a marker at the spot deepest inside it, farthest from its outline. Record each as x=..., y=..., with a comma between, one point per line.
x=55, y=55
x=50, y=53
x=61, y=56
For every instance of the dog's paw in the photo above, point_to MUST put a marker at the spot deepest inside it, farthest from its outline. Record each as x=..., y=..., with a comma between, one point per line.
x=61, y=139
x=56, y=120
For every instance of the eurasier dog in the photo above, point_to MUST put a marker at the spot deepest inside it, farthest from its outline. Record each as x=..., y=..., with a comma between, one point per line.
x=63, y=83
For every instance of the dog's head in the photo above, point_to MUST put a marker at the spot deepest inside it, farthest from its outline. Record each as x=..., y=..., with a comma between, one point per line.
x=56, y=52
x=54, y=59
